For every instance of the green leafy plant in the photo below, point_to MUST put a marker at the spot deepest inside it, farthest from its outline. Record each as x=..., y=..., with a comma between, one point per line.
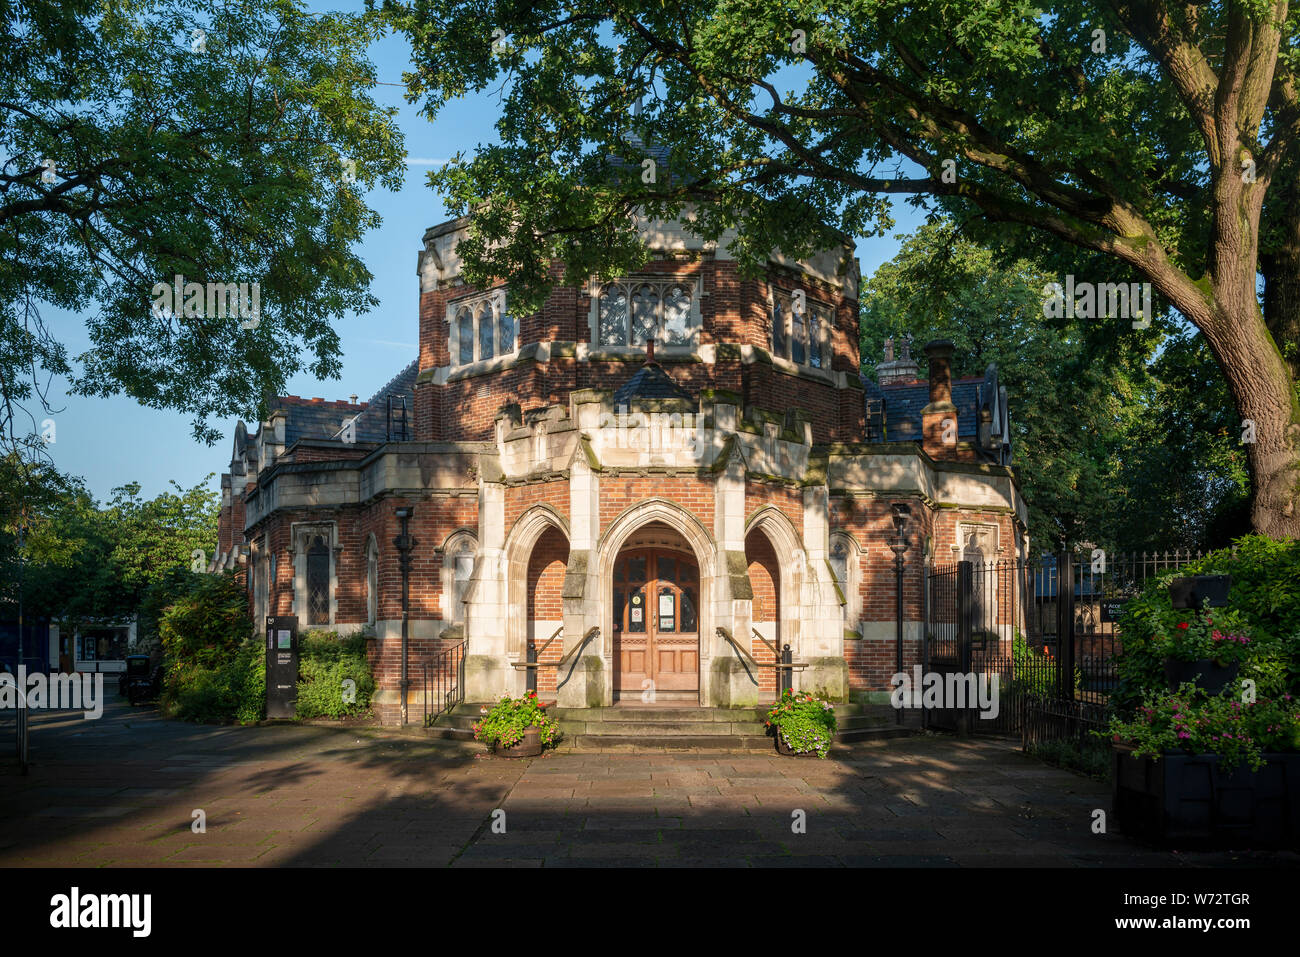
x=1197, y=722
x=326, y=662
x=1035, y=673
x=1263, y=603
x=804, y=721
x=1200, y=638
x=506, y=721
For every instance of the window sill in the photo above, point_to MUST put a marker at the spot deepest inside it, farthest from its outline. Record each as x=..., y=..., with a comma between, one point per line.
x=480, y=367
x=678, y=352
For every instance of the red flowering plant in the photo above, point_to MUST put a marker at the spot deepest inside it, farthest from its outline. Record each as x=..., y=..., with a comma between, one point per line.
x=804, y=721
x=1216, y=634
x=1239, y=731
x=506, y=721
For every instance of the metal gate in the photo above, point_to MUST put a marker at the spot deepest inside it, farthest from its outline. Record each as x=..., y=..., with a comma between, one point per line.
x=1006, y=619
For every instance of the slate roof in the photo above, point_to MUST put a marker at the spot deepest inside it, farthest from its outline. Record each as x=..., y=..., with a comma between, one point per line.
x=905, y=400
x=321, y=419
x=371, y=424
x=651, y=382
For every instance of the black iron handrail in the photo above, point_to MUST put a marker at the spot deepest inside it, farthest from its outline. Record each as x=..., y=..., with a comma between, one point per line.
x=532, y=664
x=448, y=673
x=534, y=652
x=779, y=664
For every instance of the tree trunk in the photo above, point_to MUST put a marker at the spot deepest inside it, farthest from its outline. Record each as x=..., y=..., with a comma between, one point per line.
x=1264, y=390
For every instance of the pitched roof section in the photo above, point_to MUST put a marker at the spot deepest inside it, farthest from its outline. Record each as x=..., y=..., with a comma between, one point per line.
x=321, y=419
x=372, y=424
x=905, y=400
x=651, y=382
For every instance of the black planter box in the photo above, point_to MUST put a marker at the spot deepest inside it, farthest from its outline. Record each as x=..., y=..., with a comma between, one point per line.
x=1186, y=799
x=1204, y=672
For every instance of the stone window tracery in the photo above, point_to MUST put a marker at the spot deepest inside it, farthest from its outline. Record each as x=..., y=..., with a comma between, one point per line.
x=480, y=327
x=634, y=311
x=800, y=330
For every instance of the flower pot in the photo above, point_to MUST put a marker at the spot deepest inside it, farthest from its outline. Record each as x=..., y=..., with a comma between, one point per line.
x=1188, y=799
x=529, y=746
x=783, y=748
x=1208, y=675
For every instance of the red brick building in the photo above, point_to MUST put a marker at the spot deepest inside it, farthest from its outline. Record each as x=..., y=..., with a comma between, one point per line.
x=669, y=471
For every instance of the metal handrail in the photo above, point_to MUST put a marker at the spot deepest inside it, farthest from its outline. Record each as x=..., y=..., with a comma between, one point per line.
x=778, y=664
x=449, y=690
x=538, y=652
x=591, y=633
x=770, y=647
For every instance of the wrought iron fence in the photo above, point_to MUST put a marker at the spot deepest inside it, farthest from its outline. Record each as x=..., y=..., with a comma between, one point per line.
x=443, y=681
x=1048, y=628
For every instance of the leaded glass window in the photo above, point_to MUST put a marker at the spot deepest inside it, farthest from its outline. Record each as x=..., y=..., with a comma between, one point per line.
x=318, y=582
x=485, y=321
x=613, y=317
x=645, y=319
x=677, y=315
x=633, y=312
x=465, y=334
x=507, y=331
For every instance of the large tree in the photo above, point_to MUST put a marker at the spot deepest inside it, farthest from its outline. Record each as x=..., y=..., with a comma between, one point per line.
x=1127, y=442
x=224, y=142
x=1160, y=136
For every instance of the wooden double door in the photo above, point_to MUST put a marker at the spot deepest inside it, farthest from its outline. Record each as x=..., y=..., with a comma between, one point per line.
x=656, y=623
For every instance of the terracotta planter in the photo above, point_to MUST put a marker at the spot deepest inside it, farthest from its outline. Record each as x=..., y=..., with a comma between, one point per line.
x=529, y=746
x=1212, y=677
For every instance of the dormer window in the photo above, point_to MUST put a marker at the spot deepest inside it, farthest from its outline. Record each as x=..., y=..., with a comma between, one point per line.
x=480, y=327
x=800, y=330
x=633, y=311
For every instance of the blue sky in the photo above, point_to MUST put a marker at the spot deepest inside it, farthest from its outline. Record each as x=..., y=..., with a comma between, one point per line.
x=110, y=442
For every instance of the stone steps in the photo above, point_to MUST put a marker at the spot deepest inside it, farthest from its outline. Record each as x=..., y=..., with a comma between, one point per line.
x=673, y=728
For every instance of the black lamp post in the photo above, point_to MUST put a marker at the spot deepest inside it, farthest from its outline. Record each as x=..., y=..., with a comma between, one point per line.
x=19, y=675
x=405, y=543
x=899, y=547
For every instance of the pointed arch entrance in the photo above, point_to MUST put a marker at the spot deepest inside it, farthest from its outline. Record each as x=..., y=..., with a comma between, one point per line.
x=656, y=617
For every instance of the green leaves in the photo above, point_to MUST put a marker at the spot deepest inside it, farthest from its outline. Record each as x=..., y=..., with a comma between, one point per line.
x=216, y=160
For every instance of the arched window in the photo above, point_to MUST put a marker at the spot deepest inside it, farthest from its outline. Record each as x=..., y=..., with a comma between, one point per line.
x=845, y=564
x=645, y=315
x=677, y=315
x=481, y=328
x=613, y=316
x=840, y=562
x=507, y=337
x=465, y=335
x=780, y=345
x=318, y=582
x=372, y=582
x=636, y=311
x=801, y=330
x=798, y=344
x=484, y=316
x=814, y=338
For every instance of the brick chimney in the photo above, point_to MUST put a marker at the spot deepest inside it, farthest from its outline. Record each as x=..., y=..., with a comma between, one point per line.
x=939, y=417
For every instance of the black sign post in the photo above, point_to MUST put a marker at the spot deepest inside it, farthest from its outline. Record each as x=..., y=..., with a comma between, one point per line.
x=281, y=666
